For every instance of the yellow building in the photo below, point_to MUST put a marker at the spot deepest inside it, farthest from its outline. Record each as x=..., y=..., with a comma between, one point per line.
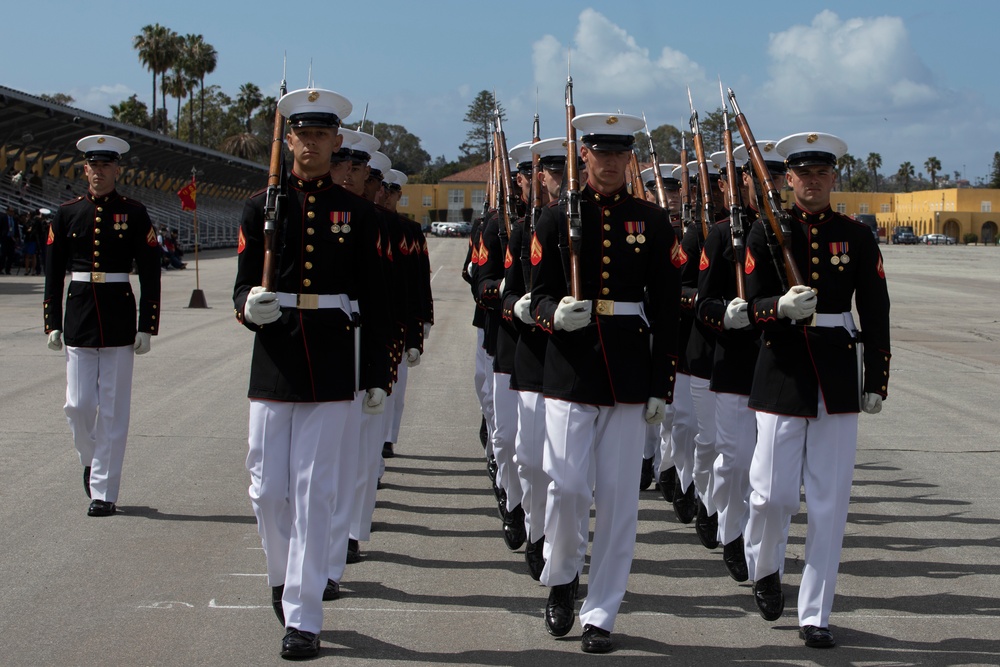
x=953, y=212
x=455, y=198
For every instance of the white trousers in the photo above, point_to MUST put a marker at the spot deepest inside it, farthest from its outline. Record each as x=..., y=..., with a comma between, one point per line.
x=302, y=464
x=98, y=403
x=651, y=445
x=484, y=388
x=394, y=404
x=818, y=454
x=529, y=446
x=504, y=434
x=666, y=461
x=369, y=468
x=682, y=431
x=608, y=440
x=735, y=438
x=704, y=440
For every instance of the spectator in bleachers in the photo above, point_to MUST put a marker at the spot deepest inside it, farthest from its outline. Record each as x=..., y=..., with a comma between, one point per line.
x=169, y=258
x=10, y=236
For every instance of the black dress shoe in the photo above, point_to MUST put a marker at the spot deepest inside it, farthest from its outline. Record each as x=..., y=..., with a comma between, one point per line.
x=491, y=470
x=646, y=476
x=514, y=534
x=501, y=503
x=533, y=557
x=667, y=481
x=768, y=596
x=483, y=432
x=707, y=527
x=299, y=645
x=332, y=591
x=734, y=556
x=353, y=551
x=816, y=637
x=279, y=611
x=560, y=610
x=101, y=508
x=685, y=504
x=86, y=480
x=387, y=452
x=596, y=640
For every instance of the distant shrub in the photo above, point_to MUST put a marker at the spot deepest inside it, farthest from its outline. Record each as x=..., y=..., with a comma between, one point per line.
x=970, y=238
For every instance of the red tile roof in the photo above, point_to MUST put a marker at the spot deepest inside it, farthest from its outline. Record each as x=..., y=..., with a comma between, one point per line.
x=478, y=174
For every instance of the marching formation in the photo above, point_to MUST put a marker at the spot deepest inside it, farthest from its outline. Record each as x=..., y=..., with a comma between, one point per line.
x=676, y=324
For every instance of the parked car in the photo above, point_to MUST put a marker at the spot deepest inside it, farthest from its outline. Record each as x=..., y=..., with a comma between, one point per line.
x=900, y=230
x=938, y=239
x=907, y=238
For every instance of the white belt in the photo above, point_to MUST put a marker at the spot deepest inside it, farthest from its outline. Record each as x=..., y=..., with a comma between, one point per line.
x=317, y=301
x=831, y=320
x=99, y=277
x=612, y=308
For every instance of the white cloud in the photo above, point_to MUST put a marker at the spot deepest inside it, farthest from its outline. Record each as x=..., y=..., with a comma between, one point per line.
x=859, y=65
x=611, y=70
x=98, y=99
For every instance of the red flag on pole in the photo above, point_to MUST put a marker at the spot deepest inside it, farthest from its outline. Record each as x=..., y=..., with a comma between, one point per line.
x=188, y=195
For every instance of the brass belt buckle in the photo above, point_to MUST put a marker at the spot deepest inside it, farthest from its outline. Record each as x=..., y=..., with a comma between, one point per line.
x=97, y=277
x=605, y=307
x=307, y=301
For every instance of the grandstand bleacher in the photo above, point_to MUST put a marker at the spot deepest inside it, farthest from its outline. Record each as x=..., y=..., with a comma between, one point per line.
x=39, y=142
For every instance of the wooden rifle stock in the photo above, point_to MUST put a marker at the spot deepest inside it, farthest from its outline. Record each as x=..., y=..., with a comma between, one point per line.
x=574, y=221
x=777, y=217
x=736, y=217
x=503, y=196
x=638, y=187
x=661, y=190
x=536, y=203
x=704, y=180
x=686, y=217
x=274, y=202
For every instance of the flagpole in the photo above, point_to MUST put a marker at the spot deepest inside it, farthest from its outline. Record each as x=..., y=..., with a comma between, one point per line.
x=197, y=296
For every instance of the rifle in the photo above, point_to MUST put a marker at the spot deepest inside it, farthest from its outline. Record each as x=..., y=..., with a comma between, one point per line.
x=536, y=204
x=686, y=216
x=274, y=202
x=574, y=219
x=661, y=191
x=777, y=217
x=704, y=184
x=491, y=187
x=504, y=195
x=737, y=218
x=638, y=189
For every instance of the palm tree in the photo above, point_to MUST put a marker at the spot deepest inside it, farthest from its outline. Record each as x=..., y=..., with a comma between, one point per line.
x=846, y=162
x=201, y=59
x=905, y=173
x=933, y=166
x=246, y=144
x=179, y=85
x=155, y=44
x=874, y=161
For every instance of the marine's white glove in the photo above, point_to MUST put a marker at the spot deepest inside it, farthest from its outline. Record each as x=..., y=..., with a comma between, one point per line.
x=503, y=282
x=737, y=316
x=522, y=309
x=261, y=307
x=55, y=340
x=798, y=303
x=374, y=401
x=143, y=341
x=427, y=330
x=571, y=314
x=871, y=403
x=412, y=357
x=656, y=410
x=468, y=269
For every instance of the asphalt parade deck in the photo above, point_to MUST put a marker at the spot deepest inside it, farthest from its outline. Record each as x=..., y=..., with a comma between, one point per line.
x=177, y=577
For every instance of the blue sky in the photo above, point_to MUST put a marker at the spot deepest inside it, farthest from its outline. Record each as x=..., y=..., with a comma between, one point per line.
x=905, y=79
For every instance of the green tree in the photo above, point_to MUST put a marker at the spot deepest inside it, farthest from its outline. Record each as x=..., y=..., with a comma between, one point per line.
x=666, y=141
x=179, y=85
x=713, y=131
x=201, y=59
x=994, y=172
x=246, y=144
x=222, y=119
x=933, y=166
x=157, y=47
x=848, y=163
x=905, y=173
x=436, y=170
x=400, y=146
x=874, y=161
x=132, y=111
x=480, y=115
x=58, y=98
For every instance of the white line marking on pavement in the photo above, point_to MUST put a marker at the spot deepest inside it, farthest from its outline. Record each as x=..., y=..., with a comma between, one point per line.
x=167, y=604
x=435, y=275
x=239, y=574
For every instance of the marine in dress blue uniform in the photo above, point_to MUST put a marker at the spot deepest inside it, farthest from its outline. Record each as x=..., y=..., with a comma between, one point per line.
x=97, y=237
x=811, y=381
x=610, y=363
x=329, y=297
